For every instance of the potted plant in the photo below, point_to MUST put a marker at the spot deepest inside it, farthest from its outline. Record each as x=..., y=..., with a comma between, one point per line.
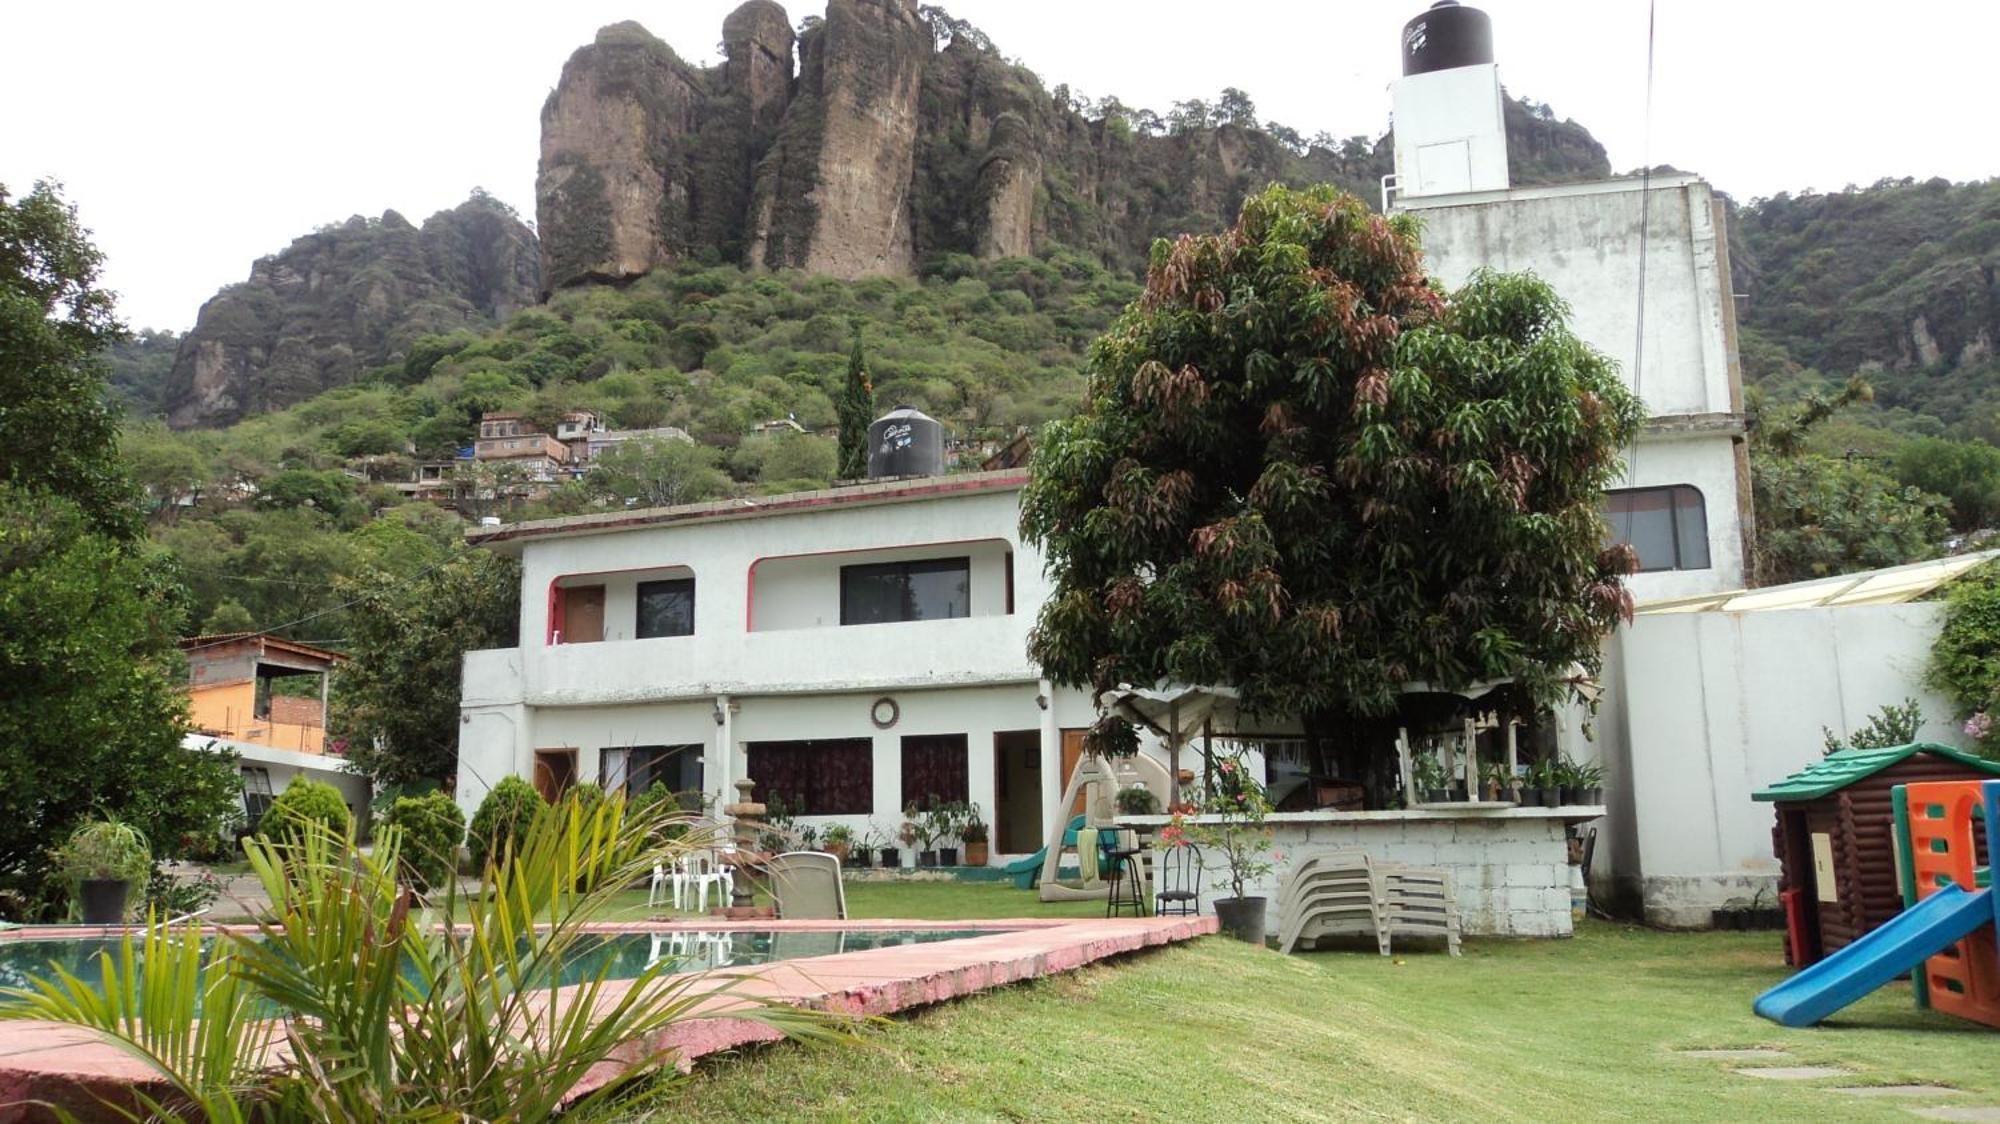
x=1432, y=782
x=887, y=855
x=104, y=858
x=1138, y=800
x=1545, y=779
x=838, y=841
x=1585, y=783
x=941, y=826
x=912, y=834
x=1236, y=805
x=973, y=834
x=1498, y=781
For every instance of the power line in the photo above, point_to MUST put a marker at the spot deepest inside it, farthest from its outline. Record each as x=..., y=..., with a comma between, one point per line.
x=1645, y=231
x=350, y=602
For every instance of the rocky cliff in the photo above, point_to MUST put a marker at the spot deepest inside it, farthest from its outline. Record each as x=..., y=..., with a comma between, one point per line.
x=903, y=134
x=345, y=298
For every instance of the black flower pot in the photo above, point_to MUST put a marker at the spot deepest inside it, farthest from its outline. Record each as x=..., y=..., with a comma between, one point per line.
x=1242, y=918
x=947, y=856
x=927, y=859
x=104, y=900
x=1548, y=797
x=859, y=859
x=1437, y=795
x=1571, y=794
x=1593, y=796
x=890, y=858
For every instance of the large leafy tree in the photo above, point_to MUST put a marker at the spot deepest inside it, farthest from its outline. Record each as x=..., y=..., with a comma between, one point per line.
x=56, y=433
x=1304, y=471
x=395, y=704
x=92, y=709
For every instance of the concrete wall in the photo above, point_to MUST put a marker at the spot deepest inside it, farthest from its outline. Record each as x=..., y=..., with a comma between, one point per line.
x=803, y=591
x=284, y=766
x=1704, y=708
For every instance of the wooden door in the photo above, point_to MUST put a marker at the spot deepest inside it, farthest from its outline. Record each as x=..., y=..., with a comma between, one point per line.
x=555, y=772
x=1072, y=752
x=583, y=614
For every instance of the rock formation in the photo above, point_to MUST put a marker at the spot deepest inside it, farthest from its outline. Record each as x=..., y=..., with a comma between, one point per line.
x=345, y=298
x=902, y=135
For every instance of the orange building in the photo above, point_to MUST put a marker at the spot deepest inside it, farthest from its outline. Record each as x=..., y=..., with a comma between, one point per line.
x=243, y=687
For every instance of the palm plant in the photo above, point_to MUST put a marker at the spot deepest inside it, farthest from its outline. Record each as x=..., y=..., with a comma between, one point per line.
x=357, y=1000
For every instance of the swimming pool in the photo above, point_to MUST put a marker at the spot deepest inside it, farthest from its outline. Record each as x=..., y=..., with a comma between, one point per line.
x=628, y=953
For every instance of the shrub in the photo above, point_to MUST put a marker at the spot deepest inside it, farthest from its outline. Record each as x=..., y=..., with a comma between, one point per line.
x=502, y=819
x=105, y=849
x=1965, y=658
x=432, y=828
x=1138, y=800
x=303, y=801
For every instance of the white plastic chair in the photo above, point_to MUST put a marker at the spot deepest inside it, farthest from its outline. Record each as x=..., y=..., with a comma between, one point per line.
x=663, y=880
x=698, y=871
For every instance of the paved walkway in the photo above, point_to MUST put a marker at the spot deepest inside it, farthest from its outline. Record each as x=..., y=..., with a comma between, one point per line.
x=1932, y=1102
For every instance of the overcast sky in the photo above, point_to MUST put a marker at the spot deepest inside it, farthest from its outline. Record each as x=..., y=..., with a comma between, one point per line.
x=197, y=136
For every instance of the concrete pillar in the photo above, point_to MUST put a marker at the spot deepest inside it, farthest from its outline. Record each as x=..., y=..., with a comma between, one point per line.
x=1052, y=810
x=720, y=771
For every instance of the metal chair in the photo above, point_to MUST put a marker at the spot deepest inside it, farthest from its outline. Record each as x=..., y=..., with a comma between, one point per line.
x=1179, y=880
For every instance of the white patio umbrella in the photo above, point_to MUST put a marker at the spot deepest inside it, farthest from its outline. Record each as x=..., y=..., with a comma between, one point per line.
x=1175, y=711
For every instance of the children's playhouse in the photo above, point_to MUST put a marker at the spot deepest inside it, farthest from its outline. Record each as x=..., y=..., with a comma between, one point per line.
x=1944, y=938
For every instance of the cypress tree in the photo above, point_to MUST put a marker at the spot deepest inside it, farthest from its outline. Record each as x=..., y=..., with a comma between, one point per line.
x=857, y=410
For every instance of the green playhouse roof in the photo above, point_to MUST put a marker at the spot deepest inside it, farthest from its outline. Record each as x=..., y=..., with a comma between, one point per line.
x=1838, y=770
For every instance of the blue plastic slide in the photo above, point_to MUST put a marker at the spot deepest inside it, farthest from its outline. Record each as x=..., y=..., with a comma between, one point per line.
x=1902, y=945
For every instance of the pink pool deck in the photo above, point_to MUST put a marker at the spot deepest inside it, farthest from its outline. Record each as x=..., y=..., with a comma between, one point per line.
x=69, y=1067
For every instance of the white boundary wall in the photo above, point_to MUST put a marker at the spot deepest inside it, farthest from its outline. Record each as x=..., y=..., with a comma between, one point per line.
x=1702, y=709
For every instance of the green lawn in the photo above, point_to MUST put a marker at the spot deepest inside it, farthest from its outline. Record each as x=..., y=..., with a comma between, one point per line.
x=1585, y=1029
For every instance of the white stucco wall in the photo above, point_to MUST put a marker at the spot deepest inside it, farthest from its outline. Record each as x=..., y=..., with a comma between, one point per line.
x=284, y=766
x=1705, y=708
x=1708, y=464
x=804, y=591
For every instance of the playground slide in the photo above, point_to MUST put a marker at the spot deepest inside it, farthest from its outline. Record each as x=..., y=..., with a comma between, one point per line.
x=1026, y=872
x=1901, y=945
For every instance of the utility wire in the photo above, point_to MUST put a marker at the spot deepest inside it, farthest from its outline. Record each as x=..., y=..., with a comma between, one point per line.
x=1645, y=232
x=349, y=603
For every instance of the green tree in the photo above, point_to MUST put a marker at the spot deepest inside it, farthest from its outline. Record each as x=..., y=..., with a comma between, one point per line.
x=1965, y=472
x=56, y=432
x=856, y=409
x=92, y=707
x=655, y=473
x=1816, y=515
x=1303, y=472
x=395, y=703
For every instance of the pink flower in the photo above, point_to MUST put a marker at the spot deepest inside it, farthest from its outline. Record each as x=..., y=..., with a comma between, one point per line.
x=1229, y=766
x=1978, y=726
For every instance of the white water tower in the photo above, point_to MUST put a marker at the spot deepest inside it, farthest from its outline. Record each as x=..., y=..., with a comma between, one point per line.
x=1451, y=136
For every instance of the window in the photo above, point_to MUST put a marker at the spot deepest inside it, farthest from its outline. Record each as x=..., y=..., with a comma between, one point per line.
x=1667, y=526
x=934, y=589
x=638, y=768
x=256, y=793
x=814, y=778
x=666, y=608
x=934, y=769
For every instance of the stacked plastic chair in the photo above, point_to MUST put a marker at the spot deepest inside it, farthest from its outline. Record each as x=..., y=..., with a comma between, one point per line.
x=1418, y=902
x=1330, y=895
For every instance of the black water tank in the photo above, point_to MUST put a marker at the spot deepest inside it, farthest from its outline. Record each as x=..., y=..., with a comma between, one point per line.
x=1448, y=35
x=905, y=442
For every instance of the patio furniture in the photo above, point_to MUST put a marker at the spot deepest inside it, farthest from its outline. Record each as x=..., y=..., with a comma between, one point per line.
x=1331, y=895
x=1418, y=902
x=1179, y=880
x=806, y=886
x=1127, y=881
x=696, y=871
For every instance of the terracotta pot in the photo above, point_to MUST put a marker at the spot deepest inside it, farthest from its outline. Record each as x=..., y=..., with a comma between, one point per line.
x=975, y=853
x=839, y=851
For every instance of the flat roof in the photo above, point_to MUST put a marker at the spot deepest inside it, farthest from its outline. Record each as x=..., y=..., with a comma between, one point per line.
x=1666, y=182
x=907, y=489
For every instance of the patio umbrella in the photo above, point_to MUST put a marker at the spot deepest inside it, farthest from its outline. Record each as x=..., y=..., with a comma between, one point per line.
x=1174, y=711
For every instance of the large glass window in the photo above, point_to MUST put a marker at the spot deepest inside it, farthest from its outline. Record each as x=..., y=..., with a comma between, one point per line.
x=830, y=777
x=932, y=589
x=639, y=767
x=666, y=608
x=934, y=770
x=1667, y=526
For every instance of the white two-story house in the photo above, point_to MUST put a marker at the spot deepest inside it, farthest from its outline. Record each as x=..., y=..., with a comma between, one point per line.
x=854, y=651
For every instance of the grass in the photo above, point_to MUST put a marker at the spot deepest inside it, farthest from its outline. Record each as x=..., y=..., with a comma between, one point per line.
x=1585, y=1029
